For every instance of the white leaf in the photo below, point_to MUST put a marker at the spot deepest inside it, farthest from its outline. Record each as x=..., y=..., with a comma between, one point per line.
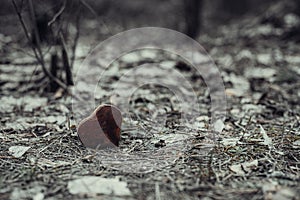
x=248, y=166
x=148, y=54
x=240, y=85
x=296, y=144
x=54, y=119
x=97, y=185
x=265, y=73
x=241, y=169
x=265, y=59
x=48, y=163
x=237, y=169
x=219, y=126
x=131, y=57
x=267, y=139
x=34, y=193
x=18, y=151
x=230, y=141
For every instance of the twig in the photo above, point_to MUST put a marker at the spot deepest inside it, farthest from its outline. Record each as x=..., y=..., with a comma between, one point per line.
x=36, y=33
x=38, y=47
x=36, y=50
x=76, y=38
x=65, y=58
x=58, y=13
x=53, y=70
x=22, y=22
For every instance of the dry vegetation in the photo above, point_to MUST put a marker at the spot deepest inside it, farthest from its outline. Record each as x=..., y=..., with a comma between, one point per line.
x=256, y=157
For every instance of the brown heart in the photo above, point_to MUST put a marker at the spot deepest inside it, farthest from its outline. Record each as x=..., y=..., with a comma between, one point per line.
x=102, y=128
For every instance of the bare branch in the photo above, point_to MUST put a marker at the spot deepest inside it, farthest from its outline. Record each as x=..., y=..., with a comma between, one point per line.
x=75, y=42
x=65, y=59
x=36, y=31
x=36, y=50
x=22, y=22
x=61, y=10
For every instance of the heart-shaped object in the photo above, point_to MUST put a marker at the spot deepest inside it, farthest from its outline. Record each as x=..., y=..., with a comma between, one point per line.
x=102, y=128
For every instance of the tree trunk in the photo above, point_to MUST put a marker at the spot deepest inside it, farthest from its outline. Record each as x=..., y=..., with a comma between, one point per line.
x=192, y=10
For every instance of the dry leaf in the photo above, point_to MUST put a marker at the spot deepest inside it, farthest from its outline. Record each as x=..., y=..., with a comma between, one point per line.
x=18, y=151
x=97, y=185
x=267, y=139
x=243, y=168
x=265, y=73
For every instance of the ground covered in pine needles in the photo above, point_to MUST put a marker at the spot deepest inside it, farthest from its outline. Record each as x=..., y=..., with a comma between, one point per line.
x=256, y=157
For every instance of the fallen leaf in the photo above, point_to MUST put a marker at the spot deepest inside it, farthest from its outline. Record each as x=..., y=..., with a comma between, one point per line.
x=131, y=57
x=296, y=69
x=18, y=151
x=54, y=119
x=32, y=103
x=148, y=54
x=265, y=59
x=248, y=166
x=237, y=169
x=296, y=144
x=97, y=185
x=269, y=188
x=59, y=93
x=48, y=163
x=230, y=141
x=274, y=191
x=267, y=140
x=219, y=126
x=243, y=168
x=35, y=193
x=252, y=108
x=19, y=124
x=169, y=64
x=264, y=73
x=285, y=193
x=170, y=138
x=244, y=54
x=240, y=85
x=293, y=59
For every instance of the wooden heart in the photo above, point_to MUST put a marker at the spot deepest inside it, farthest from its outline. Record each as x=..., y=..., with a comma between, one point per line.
x=102, y=128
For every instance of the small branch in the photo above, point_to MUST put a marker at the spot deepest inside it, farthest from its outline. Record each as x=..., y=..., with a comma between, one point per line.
x=74, y=46
x=53, y=69
x=22, y=22
x=65, y=59
x=58, y=13
x=36, y=30
x=36, y=50
x=88, y=7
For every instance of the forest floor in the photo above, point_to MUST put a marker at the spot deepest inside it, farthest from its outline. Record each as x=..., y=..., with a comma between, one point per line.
x=256, y=157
